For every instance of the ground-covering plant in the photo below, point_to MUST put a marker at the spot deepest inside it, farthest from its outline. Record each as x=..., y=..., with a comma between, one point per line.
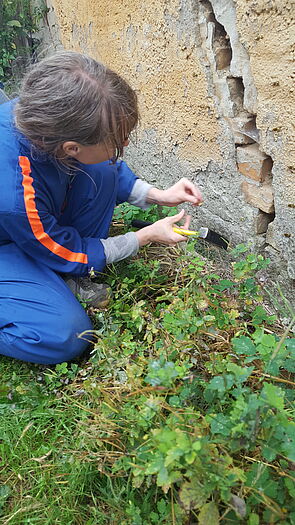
x=182, y=414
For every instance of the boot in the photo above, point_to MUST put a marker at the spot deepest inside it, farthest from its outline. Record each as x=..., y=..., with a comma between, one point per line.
x=97, y=295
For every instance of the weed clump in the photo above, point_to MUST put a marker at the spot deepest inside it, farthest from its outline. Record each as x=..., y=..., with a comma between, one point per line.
x=184, y=411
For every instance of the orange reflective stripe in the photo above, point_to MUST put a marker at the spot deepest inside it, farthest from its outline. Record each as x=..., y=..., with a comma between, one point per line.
x=35, y=221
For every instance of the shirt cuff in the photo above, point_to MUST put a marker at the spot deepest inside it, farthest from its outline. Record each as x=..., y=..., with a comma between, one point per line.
x=120, y=247
x=139, y=193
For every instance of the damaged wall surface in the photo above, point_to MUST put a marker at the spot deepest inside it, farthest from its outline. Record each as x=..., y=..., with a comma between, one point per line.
x=216, y=93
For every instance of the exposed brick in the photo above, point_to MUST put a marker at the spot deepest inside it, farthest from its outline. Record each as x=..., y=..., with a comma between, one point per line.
x=259, y=196
x=253, y=163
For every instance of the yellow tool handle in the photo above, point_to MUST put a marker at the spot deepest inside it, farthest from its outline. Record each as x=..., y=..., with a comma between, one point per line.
x=185, y=232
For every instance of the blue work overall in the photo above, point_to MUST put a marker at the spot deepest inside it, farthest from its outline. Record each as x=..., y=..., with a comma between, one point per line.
x=51, y=223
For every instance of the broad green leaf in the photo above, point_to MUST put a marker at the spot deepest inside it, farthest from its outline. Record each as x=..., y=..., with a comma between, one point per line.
x=209, y=318
x=192, y=496
x=190, y=457
x=244, y=345
x=289, y=450
x=183, y=440
x=220, y=424
x=290, y=484
x=199, y=322
x=269, y=453
x=253, y=519
x=290, y=343
x=268, y=340
x=163, y=477
x=217, y=383
x=209, y=514
x=155, y=466
x=274, y=395
x=173, y=455
x=197, y=445
x=240, y=373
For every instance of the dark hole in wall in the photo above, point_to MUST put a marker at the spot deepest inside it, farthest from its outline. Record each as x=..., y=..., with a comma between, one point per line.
x=263, y=221
x=236, y=91
x=221, y=42
x=267, y=167
x=251, y=124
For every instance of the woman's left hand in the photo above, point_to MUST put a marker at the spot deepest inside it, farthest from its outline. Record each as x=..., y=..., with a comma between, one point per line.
x=183, y=191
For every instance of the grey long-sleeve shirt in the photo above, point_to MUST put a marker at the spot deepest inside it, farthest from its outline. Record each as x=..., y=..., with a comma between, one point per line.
x=122, y=246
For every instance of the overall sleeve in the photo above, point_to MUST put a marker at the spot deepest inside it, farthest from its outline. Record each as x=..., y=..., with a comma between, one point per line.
x=130, y=188
x=35, y=230
x=126, y=181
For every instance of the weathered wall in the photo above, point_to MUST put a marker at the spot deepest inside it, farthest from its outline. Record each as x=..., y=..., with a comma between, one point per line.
x=216, y=97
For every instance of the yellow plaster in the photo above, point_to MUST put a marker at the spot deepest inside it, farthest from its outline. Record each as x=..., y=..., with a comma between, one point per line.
x=141, y=42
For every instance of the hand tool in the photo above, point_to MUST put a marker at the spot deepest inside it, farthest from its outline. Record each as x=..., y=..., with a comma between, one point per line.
x=203, y=233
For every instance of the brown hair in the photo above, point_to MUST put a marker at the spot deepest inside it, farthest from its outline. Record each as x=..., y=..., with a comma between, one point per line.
x=71, y=96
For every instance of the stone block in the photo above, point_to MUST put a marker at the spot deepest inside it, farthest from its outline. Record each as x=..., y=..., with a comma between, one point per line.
x=263, y=221
x=241, y=139
x=260, y=197
x=270, y=236
x=237, y=124
x=246, y=124
x=253, y=163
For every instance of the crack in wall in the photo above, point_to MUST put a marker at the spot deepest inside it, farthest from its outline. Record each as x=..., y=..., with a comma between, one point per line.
x=255, y=166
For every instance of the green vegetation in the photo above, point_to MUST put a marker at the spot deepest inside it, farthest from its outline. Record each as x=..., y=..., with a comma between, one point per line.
x=182, y=414
x=19, y=21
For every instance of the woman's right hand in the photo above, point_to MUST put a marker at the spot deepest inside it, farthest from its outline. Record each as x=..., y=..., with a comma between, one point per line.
x=162, y=231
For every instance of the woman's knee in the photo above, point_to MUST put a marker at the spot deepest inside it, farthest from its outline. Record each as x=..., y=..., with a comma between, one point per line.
x=50, y=339
x=70, y=337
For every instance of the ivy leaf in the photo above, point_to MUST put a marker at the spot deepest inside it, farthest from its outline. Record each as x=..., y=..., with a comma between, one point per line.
x=209, y=514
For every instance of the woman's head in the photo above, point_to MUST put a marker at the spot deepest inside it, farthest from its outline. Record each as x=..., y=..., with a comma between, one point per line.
x=71, y=105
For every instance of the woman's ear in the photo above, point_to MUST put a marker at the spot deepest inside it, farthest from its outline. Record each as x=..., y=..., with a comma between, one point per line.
x=71, y=148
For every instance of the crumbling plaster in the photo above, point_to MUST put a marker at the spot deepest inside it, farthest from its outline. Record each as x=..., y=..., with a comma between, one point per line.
x=144, y=43
x=267, y=31
x=203, y=72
